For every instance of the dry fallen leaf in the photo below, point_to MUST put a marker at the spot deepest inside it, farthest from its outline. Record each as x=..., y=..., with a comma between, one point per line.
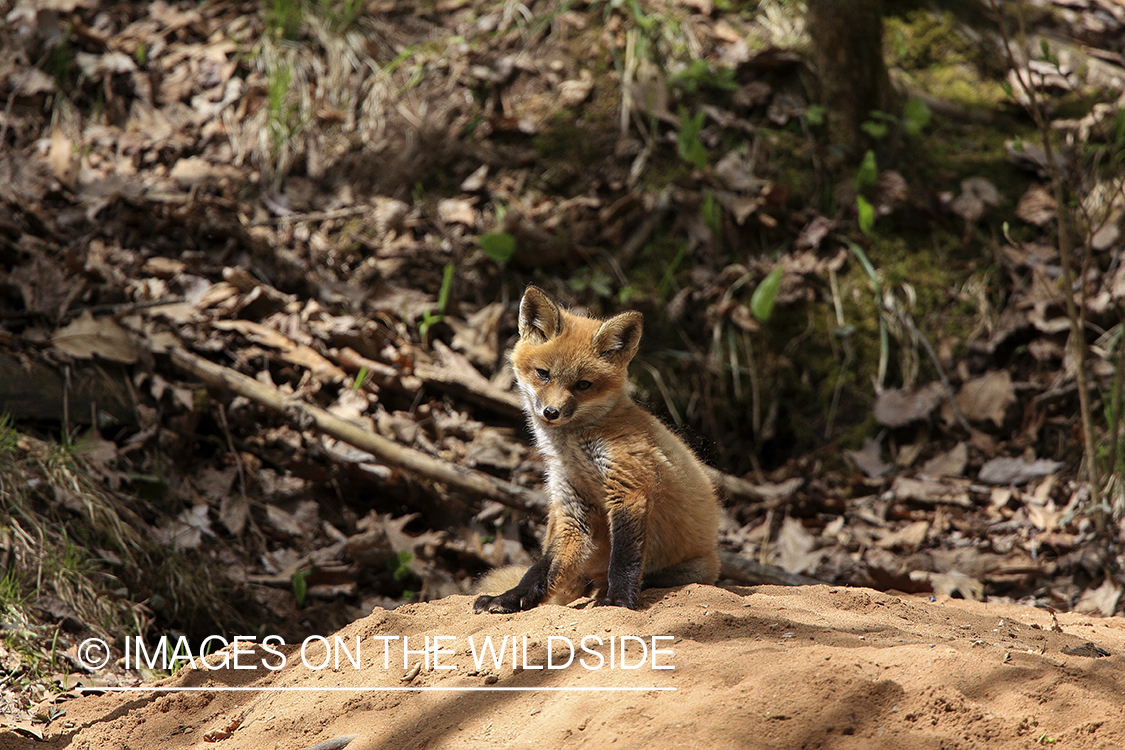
x=1102, y=600
x=1088, y=649
x=457, y=211
x=87, y=337
x=951, y=584
x=1108, y=235
x=948, y=464
x=977, y=195
x=1037, y=206
x=186, y=530
x=574, y=91
x=737, y=172
x=1044, y=517
x=795, y=547
x=897, y=407
x=478, y=337
x=987, y=397
x=869, y=459
x=908, y=538
x=61, y=158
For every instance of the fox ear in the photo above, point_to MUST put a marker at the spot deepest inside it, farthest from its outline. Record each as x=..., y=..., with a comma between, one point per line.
x=619, y=337
x=540, y=318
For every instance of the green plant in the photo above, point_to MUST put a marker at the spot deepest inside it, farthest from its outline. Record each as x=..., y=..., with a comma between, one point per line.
x=916, y=115
x=668, y=279
x=879, y=124
x=401, y=566
x=865, y=214
x=283, y=18
x=9, y=438
x=761, y=301
x=711, y=211
x=689, y=146
x=594, y=280
x=282, y=115
x=868, y=171
x=60, y=63
x=403, y=574
x=816, y=115
x=13, y=594
x=628, y=293
x=700, y=74
x=341, y=15
x=301, y=586
x=865, y=176
x=430, y=317
x=361, y=378
x=498, y=246
x=877, y=289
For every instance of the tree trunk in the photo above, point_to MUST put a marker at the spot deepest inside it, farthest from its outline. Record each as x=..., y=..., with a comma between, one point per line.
x=847, y=37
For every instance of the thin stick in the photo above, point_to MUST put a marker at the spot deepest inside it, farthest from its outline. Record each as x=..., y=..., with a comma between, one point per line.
x=386, y=451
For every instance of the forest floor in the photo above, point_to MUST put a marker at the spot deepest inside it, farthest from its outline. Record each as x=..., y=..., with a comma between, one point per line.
x=261, y=266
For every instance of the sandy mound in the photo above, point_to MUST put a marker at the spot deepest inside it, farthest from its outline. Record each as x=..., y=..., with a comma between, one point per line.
x=764, y=667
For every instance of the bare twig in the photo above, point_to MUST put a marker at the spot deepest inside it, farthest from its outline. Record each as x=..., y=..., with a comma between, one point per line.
x=1075, y=310
x=233, y=452
x=338, y=743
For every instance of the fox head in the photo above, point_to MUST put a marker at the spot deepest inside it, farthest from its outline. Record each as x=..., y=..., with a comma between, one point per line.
x=571, y=369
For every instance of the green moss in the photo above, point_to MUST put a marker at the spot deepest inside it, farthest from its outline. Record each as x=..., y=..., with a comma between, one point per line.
x=960, y=82
x=922, y=38
x=932, y=50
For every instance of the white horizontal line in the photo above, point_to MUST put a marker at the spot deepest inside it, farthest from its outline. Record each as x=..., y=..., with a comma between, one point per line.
x=468, y=689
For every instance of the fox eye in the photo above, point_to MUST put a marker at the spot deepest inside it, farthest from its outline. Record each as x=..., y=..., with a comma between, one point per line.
x=582, y=385
x=543, y=374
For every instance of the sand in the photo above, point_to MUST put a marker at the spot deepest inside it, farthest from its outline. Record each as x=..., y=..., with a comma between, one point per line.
x=699, y=666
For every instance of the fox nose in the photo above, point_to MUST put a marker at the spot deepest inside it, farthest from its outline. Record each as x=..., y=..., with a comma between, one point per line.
x=550, y=413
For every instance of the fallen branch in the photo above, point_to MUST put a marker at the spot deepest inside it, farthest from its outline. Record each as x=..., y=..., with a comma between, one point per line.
x=743, y=570
x=466, y=385
x=386, y=451
x=457, y=477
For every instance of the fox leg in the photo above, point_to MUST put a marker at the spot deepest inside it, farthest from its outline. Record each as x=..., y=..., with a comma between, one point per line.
x=626, y=552
x=525, y=595
x=557, y=573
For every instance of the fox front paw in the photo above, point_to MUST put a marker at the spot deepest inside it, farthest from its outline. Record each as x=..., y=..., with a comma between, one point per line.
x=617, y=601
x=624, y=596
x=509, y=601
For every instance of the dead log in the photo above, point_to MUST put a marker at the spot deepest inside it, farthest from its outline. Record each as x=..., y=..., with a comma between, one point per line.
x=745, y=571
x=386, y=451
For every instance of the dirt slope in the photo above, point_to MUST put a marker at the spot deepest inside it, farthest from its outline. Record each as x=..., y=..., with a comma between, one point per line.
x=765, y=667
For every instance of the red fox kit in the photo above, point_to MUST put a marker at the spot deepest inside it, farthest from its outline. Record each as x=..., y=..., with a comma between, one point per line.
x=631, y=505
